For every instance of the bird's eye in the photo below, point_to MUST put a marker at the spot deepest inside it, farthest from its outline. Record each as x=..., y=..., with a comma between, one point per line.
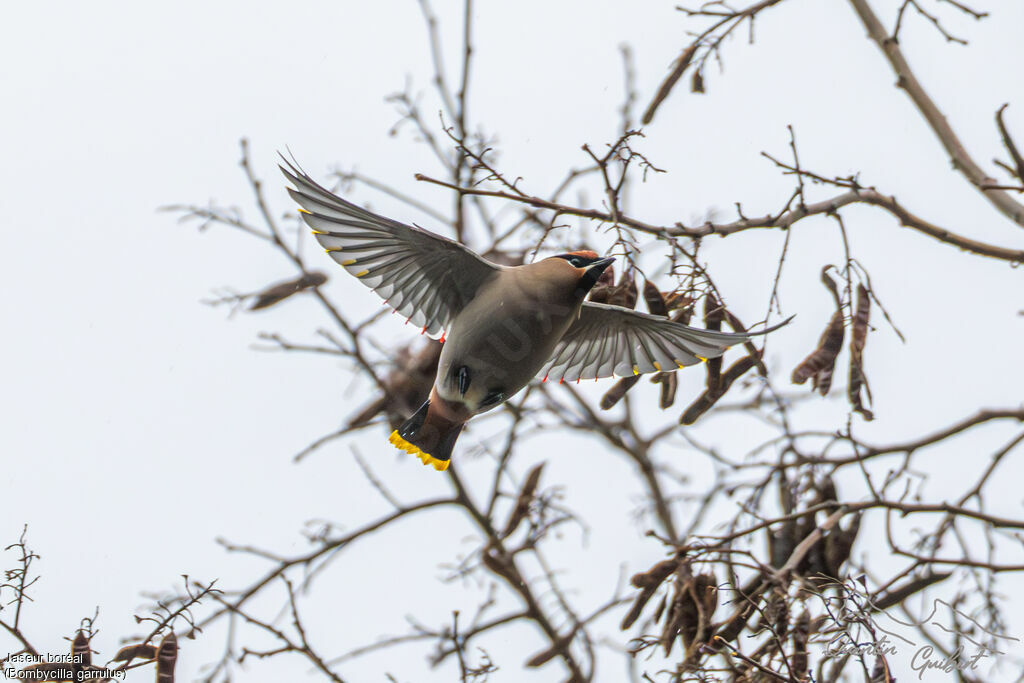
x=576, y=261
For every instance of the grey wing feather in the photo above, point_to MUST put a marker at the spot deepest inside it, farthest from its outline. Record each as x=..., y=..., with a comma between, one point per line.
x=611, y=341
x=425, y=277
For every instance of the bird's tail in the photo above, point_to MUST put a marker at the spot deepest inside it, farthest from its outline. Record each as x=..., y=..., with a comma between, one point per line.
x=428, y=436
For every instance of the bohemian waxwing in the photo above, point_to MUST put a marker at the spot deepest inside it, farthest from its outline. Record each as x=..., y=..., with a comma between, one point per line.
x=504, y=325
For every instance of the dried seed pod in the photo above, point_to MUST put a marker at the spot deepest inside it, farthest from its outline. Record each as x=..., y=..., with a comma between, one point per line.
x=678, y=67
x=603, y=287
x=625, y=293
x=775, y=614
x=697, y=607
x=697, y=82
x=801, y=635
x=546, y=655
x=166, y=658
x=80, y=651
x=523, y=500
x=279, y=292
x=731, y=629
x=713, y=316
x=628, y=291
x=657, y=306
x=895, y=596
x=660, y=609
x=655, y=575
x=669, y=384
x=683, y=315
x=618, y=390
x=407, y=386
x=677, y=612
x=654, y=299
x=137, y=651
x=821, y=362
x=838, y=545
x=705, y=401
x=676, y=300
x=648, y=582
x=858, y=338
x=881, y=673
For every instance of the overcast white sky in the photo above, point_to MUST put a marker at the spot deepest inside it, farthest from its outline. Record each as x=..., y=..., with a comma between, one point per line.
x=138, y=425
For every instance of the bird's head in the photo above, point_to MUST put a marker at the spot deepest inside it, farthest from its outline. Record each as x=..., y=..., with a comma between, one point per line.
x=586, y=266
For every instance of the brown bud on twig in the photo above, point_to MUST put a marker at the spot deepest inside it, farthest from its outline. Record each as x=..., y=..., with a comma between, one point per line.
x=523, y=500
x=282, y=290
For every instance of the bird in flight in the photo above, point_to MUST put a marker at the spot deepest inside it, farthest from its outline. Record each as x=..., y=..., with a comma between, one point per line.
x=501, y=325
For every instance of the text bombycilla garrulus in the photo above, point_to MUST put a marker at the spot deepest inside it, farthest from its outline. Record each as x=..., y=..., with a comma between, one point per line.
x=502, y=326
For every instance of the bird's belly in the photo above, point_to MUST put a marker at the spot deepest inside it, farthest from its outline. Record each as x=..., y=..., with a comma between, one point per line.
x=503, y=348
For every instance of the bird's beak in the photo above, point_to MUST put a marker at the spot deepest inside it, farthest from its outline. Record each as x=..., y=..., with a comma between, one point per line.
x=597, y=267
x=591, y=275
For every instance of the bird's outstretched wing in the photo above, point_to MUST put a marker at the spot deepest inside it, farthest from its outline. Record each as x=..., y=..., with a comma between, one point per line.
x=611, y=340
x=425, y=277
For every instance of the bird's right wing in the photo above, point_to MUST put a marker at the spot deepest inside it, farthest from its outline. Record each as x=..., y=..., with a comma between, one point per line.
x=612, y=340
x=425, y=277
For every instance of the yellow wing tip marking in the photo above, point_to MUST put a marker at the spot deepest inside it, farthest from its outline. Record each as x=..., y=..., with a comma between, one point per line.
x=681, y=366
x=401, y=444
x=301, y=210
x=331, y=250
x=703, y=358
x=636, y=369
x=319, y=232
x=361, y=273
x=657, y=366
x=348, y=262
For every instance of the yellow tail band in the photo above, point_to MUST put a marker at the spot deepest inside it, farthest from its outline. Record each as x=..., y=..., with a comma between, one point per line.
x=403, y=445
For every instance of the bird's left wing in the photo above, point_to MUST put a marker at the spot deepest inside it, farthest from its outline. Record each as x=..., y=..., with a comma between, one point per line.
x=611, y=340
x=425, y=277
